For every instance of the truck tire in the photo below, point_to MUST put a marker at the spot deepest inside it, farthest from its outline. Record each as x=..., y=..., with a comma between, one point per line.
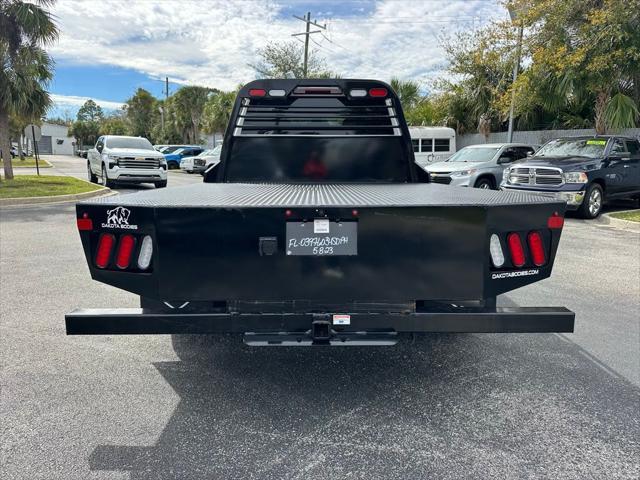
x=484, y=183
x=105, y=180
x=592, y=203
x=173, y=165
x=93, y=178
x=161, y=184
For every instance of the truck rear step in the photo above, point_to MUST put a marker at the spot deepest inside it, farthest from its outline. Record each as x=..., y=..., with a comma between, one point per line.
x=289, y=327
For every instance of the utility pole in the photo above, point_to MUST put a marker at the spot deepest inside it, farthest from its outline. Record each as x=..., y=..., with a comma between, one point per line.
x=307, y=33
x=514, y=17
x=166, y=88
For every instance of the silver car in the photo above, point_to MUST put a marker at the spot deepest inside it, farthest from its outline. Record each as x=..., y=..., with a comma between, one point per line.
x=478, y=166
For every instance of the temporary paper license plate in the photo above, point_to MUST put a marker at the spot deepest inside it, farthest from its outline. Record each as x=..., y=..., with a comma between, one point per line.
x=322, y=237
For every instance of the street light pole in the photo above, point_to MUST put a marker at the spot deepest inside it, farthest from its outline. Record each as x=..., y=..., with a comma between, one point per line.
x=516, y=67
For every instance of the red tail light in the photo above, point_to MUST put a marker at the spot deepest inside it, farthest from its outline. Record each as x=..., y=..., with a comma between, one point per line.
x=555, y=221
x=378, y=92
x=515, y=249
x=105, y=246
x=257, y=92
x=536, y=247
x=85, y=224
x=125, y=250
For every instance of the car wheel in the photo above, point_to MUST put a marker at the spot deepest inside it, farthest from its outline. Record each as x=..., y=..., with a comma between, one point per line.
x=93, y=178
x=484, y=183
x=161, y=184
x=105, y=180
x=173, y=165
x=592, y=203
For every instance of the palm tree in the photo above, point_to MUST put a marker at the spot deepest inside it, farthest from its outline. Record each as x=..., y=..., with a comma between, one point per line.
x=189, y=103
x=25, y=68
x=217, y=111
x=408, y=92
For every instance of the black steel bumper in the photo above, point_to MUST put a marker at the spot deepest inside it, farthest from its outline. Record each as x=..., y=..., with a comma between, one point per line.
x=269, y=328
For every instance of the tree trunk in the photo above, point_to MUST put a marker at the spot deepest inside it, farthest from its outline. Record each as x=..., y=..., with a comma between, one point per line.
x=5, y=144
x=599, y=118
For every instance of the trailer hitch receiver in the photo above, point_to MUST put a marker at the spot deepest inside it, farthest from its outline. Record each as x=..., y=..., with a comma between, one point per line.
x=320, y=330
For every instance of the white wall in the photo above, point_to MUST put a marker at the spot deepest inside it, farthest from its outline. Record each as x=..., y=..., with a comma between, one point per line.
x=535, y=137
x=61, y=142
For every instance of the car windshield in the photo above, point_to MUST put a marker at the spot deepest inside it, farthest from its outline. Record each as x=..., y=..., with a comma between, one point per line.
x=138, y=143
x=481, y=154
x=177, y=151
x=170, y=149
x=574, y=147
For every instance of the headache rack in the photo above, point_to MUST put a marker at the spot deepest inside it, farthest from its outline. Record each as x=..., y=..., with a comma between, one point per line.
x=313, y=116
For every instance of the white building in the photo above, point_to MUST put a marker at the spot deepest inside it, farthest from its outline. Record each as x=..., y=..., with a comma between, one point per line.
x=56, y=140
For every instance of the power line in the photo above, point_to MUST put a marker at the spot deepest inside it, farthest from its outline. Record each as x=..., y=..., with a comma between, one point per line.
x=323, y=46
x=334, y=43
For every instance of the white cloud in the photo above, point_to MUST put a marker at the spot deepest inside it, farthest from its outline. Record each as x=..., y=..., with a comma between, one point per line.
x=212, y=43
x=75, y=102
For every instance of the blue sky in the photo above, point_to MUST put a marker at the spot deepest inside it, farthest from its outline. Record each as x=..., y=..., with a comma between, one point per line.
x=108, y=49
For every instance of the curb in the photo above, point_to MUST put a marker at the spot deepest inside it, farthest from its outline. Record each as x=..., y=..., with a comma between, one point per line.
x=607, y=219
x=73, y=197
x=46, y=165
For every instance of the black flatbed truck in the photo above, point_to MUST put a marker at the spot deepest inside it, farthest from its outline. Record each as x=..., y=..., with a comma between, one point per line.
x=317, y=227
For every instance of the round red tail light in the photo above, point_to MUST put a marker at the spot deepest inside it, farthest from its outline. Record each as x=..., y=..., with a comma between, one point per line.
x=515, y=249
x=105, y=246
x=125, y=251
x=536, y=247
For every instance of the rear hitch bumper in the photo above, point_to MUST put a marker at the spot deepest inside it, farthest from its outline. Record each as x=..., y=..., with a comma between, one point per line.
x=318, y=328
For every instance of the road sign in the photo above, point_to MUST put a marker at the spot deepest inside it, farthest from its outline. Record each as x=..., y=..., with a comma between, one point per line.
x=33, y=130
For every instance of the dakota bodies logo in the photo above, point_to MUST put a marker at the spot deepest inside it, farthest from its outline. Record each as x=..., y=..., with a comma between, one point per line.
x=522, y=273
x=119, y=218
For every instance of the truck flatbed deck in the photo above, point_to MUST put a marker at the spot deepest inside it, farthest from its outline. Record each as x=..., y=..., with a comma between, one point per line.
x=243, y=195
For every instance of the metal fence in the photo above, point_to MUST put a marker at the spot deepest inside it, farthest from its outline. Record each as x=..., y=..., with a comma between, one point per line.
x=534, y=137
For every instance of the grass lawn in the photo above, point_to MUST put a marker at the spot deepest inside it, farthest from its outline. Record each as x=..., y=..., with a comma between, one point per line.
x=28, y=162
x=44, y=186
x=633, y=215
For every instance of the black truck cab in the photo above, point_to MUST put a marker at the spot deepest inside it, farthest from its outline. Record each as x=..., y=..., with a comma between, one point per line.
x=583, y=171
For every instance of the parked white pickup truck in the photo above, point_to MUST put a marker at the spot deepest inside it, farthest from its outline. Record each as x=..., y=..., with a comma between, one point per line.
x=126, y=159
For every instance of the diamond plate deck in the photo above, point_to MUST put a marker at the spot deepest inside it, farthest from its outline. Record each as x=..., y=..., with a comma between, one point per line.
x=241, y=195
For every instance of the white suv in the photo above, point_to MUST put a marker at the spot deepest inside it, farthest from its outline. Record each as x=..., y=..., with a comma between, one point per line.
x=126, y=159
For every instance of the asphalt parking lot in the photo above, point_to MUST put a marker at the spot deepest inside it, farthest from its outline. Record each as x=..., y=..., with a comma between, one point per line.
x=442, y=406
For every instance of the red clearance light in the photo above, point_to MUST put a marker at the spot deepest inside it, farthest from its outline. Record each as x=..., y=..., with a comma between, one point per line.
x=378, y=92
x=555, y=221
x=85, y=224
x=105, y=245
x=516, y=250
x=125, y=250
x=257, y=92
x=536, y=247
